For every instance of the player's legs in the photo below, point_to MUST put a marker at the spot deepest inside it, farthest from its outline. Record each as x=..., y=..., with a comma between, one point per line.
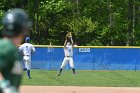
x=24, y=69
x=64, y=63
x=24, y=60
x=28, y=65
x=72, y=65
x=28, y=69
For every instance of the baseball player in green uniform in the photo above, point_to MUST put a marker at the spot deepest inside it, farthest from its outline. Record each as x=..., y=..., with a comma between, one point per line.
x=16, y=25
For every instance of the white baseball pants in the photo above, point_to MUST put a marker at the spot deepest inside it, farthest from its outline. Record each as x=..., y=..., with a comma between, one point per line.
x=66, y=61
x=27, y=62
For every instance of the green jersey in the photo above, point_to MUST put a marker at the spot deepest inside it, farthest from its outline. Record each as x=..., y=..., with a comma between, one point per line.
x=10, y=65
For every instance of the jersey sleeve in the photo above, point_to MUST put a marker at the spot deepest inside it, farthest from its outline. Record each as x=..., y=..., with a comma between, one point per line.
x=21, y=49
x=33, y=49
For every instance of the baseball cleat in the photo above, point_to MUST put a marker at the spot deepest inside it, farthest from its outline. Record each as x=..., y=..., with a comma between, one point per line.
x=74, y=74
x=59, y=75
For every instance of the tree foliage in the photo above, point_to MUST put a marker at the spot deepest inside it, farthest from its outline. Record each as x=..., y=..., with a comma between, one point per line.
x=92, y=22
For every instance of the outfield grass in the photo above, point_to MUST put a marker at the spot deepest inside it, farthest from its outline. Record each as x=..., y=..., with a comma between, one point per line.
x=84, y=78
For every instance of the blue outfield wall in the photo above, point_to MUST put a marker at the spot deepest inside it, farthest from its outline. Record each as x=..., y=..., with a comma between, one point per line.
x=88, y=58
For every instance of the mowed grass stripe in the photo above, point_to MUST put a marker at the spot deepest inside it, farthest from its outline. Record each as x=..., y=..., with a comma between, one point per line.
x=84, y=78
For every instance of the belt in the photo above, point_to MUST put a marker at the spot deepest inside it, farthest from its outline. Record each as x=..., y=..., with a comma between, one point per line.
x=68, y=56
x=26, y=55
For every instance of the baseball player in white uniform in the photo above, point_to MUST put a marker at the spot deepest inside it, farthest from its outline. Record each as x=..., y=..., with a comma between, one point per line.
x=68, y=50
x=27, y=49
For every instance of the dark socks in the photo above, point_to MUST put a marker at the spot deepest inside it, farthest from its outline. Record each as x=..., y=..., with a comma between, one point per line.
x=28, y=73
x=60, y=70
x=24, y=69
x=73, y=70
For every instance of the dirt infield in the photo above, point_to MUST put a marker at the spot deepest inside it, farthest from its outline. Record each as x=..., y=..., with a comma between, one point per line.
x=73, y=89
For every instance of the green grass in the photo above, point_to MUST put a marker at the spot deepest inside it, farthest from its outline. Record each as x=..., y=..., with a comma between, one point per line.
x=84, y=78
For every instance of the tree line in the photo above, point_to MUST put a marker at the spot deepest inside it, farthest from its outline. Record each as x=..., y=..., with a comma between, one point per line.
x=92, y=22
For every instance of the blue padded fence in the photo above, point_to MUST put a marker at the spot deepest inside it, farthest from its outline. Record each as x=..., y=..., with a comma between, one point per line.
x=88, y=58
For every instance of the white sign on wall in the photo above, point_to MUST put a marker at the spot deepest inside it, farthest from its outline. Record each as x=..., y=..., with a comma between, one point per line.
x=84, y=49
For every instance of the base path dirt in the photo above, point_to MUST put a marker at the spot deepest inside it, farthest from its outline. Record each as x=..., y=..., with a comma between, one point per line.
x=74, y=89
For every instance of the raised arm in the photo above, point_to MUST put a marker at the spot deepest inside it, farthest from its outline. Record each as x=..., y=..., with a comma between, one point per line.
x=65, y=43
x=72, y=42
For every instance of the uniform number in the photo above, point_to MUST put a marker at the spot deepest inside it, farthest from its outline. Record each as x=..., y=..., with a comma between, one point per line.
x=27, y=48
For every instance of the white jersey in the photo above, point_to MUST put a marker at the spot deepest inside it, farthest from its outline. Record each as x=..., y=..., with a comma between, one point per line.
x=68, y=50
x=27, y=49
